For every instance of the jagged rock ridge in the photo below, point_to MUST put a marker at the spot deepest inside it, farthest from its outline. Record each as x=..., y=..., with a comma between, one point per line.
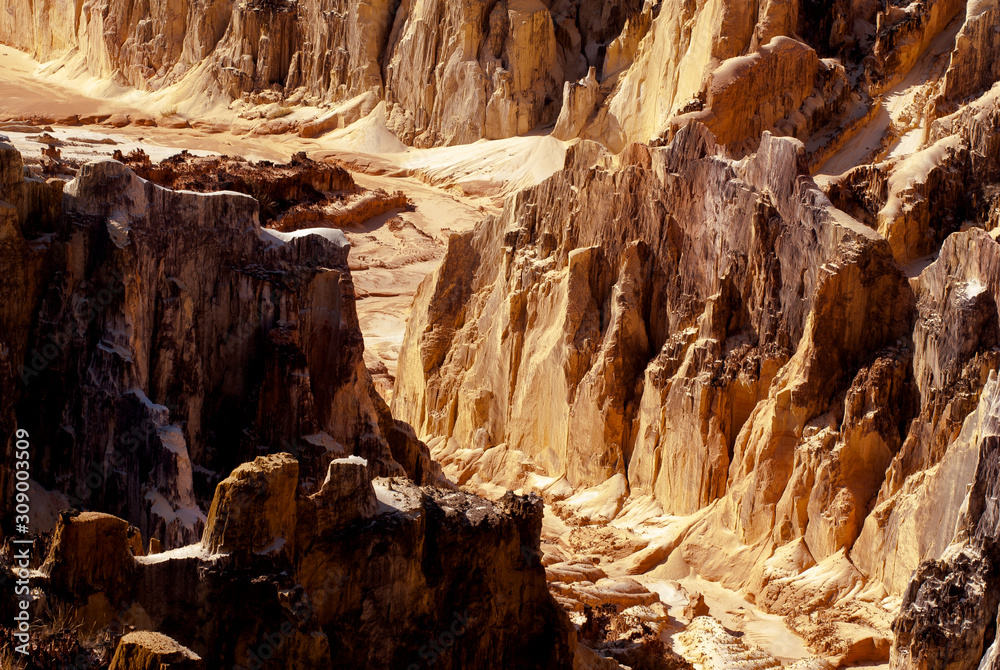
x=722, y=337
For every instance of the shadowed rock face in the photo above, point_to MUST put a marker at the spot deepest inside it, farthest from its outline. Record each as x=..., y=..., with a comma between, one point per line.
x=175, y=338
x=283, y=579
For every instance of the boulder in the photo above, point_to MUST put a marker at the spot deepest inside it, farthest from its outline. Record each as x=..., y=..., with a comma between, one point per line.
x=253, y=511
x=90, y=562
x=145, y=650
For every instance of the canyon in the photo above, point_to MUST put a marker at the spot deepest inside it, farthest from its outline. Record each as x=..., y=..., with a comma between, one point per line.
x=509, y=334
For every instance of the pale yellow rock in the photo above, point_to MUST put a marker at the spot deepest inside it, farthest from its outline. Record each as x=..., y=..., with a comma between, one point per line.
x=597, y=505
x=579, y=101
x=919, y=504
x=903, y=33
x=496, y=75
x=749, y=94
x=681, y=47
x=975, y=61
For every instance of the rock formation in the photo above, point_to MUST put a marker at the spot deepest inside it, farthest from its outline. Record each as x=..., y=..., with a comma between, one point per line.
x=181, y=339
x=949, y=614
x=450, y=73
x=748, y=334
x=719, y=335
x=360, y=573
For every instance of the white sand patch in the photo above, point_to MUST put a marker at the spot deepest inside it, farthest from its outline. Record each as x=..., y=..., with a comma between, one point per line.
x=900, y=109
x=190, y=551
x=486, y=167
x=598, y=504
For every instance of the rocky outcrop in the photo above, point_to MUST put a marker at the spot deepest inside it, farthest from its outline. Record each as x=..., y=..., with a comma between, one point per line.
x=917, y=201
x=299, y=195
x=278, y=188
x=152, y=651
x=253, y=511
x=361, y=573
x=949, y=613
x=974, y=66
x=903, y=32
x=579, y=101
x=90, y=556
x=459, y=72
x=578, y=328
x=180, y=339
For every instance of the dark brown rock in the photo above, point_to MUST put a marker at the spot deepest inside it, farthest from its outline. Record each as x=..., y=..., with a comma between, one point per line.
x=152, y=651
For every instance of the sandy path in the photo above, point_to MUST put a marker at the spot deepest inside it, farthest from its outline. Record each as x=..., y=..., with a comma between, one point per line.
x=392, y=254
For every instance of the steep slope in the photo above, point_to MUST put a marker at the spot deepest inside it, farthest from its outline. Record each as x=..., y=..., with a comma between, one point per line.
x=175, y=339
x=719, y=337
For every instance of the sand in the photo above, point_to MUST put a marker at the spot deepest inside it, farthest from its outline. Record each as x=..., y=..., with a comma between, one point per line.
x=897, y=130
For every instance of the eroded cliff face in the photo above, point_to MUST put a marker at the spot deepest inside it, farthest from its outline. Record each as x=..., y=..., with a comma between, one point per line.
x=702, y=357
x=176, y=338
x=714, y=334
x=450, y=73
x=683, y=349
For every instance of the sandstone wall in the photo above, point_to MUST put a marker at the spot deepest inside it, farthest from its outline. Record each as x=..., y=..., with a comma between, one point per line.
x=736, y=347
x=453, y=73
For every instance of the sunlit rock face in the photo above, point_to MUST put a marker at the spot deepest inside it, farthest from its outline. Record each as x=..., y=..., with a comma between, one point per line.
x=719, y=334
x=681, y=318
x=456, y=72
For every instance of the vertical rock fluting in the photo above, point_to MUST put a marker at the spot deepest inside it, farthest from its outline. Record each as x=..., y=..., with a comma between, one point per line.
x=460, y=72
x=902, y=33
x=176, y=339
x=704, y=359
x=949, y=614
x=955, y=346
x=454, y=73
x=974, y=64
x=720, y=334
